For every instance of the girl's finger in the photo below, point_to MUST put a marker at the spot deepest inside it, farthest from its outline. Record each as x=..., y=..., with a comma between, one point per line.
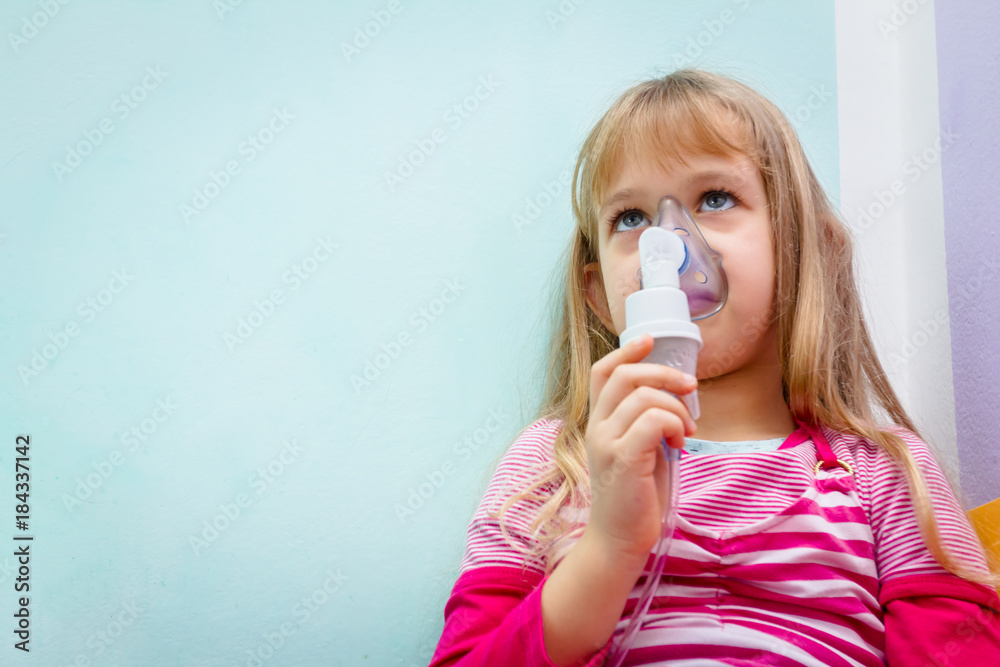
x=601, y=371
x=626, y=377
x=640, y=400
x=648, y=431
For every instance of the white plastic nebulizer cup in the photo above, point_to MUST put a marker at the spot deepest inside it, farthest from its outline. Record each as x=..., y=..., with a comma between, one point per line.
x=661, y=309
x=679, y=352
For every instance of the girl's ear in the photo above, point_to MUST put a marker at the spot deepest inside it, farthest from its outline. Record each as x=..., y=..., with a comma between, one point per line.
x=597, y=299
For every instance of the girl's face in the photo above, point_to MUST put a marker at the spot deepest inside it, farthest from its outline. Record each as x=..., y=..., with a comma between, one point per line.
x=726, y=198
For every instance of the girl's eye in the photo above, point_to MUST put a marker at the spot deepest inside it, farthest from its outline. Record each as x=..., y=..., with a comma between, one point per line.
x=629, y=219
x=716, y=200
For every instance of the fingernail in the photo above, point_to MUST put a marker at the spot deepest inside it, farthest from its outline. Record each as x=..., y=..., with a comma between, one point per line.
x=690, y=379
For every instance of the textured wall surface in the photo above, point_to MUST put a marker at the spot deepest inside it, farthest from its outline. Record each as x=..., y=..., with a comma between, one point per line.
x=969, y=88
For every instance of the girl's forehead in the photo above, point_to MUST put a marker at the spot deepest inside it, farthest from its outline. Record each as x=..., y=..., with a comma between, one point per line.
x=694, y=167
x=683, y=164
x=667, y=136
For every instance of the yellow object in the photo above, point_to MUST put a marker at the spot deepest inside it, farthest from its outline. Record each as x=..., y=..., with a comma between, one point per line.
x=986, y=520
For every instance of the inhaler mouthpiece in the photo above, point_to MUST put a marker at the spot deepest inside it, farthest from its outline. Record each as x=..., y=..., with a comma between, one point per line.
x=701, y=277
x=661, y=255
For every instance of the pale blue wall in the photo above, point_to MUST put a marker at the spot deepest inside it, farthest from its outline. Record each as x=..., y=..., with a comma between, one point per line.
x=162, y=336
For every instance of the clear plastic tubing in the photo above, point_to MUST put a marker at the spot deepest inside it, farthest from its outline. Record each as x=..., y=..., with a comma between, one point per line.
x=621, y=647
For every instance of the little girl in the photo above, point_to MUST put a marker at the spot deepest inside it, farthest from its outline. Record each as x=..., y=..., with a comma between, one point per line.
x=815, y=526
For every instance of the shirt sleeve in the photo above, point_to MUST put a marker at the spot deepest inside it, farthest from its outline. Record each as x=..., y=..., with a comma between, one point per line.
x=494, y=619
x=900, y=550
x=493, y=616
x=935, y=623
x=929, y=612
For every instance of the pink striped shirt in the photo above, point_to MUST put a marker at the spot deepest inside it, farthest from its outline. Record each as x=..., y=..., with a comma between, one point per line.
x=771, y=563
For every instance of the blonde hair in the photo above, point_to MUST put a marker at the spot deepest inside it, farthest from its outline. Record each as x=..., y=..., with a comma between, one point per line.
x=826, y=380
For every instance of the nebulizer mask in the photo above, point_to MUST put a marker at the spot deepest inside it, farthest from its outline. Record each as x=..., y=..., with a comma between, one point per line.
x=680, y=280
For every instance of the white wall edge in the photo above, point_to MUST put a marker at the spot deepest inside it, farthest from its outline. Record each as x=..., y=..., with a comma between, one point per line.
x=887, y=114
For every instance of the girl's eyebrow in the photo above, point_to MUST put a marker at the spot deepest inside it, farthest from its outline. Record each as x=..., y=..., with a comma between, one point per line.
x=728, y=174
x=694, y=179
x=627, y=193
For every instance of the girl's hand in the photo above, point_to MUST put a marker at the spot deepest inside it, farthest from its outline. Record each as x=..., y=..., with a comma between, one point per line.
x=629, y=416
